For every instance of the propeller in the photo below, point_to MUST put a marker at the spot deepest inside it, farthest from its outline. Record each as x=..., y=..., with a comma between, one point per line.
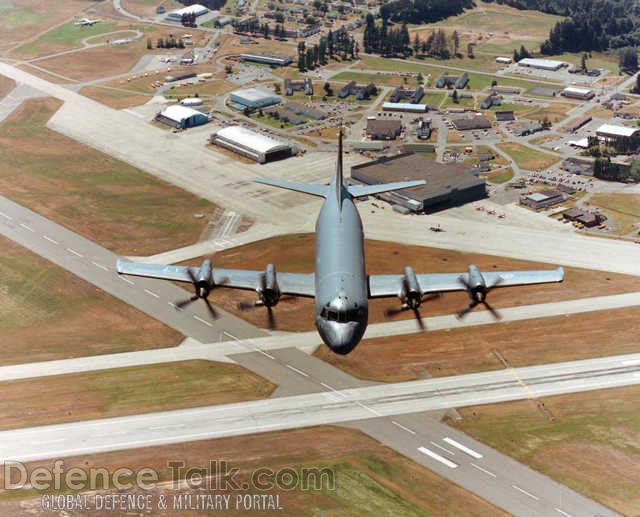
x=414, y=306
x=478, y=296
x=201, y=292
x=247, y=306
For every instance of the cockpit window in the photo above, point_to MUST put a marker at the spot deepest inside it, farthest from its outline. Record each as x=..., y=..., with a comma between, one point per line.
x=341, y=316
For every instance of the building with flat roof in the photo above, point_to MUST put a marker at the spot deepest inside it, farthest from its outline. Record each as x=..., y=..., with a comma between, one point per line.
x=290, y=86
x=505, y=116
x=383, y=129
x=574, y=92
x=256, y=146
x=470, y=123
x=404, y=107
x=268, y=58
x=542, y=64
x=254, y=98
x=361, y=92
x=181, y=117
x=588, y=219
x=447, y=184
x=197, y=9
x=504, y=60
x=539, y=200
x=613, y=131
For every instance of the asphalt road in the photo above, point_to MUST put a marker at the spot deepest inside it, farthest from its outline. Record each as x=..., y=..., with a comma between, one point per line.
x=446, y=451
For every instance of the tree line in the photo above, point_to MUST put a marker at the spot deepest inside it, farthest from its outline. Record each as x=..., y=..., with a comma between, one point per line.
x=331, y=46
x=422, y=11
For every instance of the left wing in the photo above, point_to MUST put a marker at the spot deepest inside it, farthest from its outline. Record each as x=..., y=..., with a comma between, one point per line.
x=381, y=286
x=297, y=284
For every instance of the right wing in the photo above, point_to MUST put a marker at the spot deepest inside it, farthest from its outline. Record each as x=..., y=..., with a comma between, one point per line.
x=313, y=189
x=297, y=284
x=369, y=190
x=381, y=286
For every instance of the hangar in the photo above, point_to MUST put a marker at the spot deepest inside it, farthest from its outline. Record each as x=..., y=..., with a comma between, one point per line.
x=542, y=64
x=574, y=92
x=197, y=9
x=268, y=58
x=181, y=117
x=613, y=131
x=447, y=184
x=255, y=146
x=254, y=98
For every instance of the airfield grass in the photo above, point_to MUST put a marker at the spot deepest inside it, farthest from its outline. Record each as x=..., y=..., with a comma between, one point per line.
x=553, y=111
x=370, y=478
x=365, y=78
x=622, y=209
x=48, y=314
x=527, y=158
x=295, y=254
x=147, y=8
x=99, y=197
x=591, y=445
x=500, y=176
x=461, y=350
x=6, y=86
x=115, y=98
x=64, y=37
x=24, y=20
x=125, y=391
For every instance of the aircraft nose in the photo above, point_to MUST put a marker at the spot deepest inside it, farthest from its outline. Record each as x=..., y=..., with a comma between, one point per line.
x=345, y=337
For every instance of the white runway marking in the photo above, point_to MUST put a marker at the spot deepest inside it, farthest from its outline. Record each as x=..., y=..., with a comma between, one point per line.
x=483, y=470
x=127, y=280
x=70, y=250
x=155, y=295
x=463, y=448
x=296, y=370
x=364, y=406
x=266, y=353
x=195, y=316
x=437, y=457
x=442, y=448
x=403, y=427
x=525, y=492
x=563, y=513
x=100, y=266
x=52, y=241
x=2, y=214
x=26, y=227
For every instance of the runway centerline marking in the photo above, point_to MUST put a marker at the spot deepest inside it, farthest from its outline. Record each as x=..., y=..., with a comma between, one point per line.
x=266, y=353
x=437, y=457
x=52, y=241
x=463, y=448
x=483, y=470
x=27, y=227
x=563, y=513
x=100, y=266
x=195, y=316
x=442, y=448
x=296, y=370
x=70, y=250
x=403, y=427
x=2, y=214
x=529, y=494
x=127, y=280
x=368, y=408
x=151, y=293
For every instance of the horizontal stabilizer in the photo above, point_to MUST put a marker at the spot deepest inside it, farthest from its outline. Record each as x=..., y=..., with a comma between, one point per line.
x=368, y=190
x=314, y=190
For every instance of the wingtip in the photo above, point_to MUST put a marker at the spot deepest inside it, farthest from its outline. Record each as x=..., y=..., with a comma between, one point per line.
x=119, y=264
x=561, y=273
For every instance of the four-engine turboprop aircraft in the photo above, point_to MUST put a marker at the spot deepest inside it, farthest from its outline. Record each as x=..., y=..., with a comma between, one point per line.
x=340, y=285
x=86, y=22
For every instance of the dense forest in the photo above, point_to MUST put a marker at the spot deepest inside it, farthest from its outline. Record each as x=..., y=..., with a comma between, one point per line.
x=422, y=11
x=589, y=24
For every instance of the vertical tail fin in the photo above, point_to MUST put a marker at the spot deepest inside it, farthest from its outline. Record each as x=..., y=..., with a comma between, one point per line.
x=339, y=179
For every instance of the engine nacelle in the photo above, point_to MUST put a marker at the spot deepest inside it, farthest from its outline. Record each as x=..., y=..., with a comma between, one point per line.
x=269, y=291
x=204, y=278
x=477, y=285
x=411, y=293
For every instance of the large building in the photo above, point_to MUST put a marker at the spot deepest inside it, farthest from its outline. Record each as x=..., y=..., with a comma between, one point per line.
x=405, y=107
x=258, y=147
x=611, y=131
x=574, y=92
x=197, y=9
x=383, y=129
x=254, y=98
x=447, y=184
x=542, y=64
x=268, y=58
x=471, y=123
x=181, y=117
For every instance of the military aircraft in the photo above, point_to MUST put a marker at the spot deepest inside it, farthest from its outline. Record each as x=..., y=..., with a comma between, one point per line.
x=340, y=285
x=86, y=22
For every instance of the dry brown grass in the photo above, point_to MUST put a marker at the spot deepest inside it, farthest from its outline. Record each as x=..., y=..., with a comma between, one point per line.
x=368, y=476
x=118, y=99
x=6, y=86
x=48, y=313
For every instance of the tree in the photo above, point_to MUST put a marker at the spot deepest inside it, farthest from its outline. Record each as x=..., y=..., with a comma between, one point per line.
x=494, y=83
x=456, y=42
x=149, y=44
x=629, y=60
x=583, y=63
x=636, y=88
x=454, y=96
x=327, y=89
x=228, y=68
x=470, y=54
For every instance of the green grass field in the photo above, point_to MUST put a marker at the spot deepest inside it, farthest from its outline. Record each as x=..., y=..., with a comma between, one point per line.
x=527, y=158
x=501, y=176
x=66, y=36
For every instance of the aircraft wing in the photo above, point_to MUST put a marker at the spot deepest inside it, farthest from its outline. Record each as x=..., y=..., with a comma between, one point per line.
x=381, y=286
x=369, y=190
x=313, y=189
x=298, y=284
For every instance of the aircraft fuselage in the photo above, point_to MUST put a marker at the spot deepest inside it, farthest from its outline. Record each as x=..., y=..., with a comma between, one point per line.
x=341, y=303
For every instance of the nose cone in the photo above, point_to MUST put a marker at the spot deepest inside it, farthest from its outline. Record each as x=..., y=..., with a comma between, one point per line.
x=342, y=338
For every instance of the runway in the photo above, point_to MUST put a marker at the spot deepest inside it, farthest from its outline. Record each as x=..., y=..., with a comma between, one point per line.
x=391, y=413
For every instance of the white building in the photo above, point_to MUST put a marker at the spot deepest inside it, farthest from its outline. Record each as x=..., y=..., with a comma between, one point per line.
x=181, y=117
x=258, y=147
x=574, y=92
x=611, y=131
x=542, y=64
x=504, y=60
x=197, y=9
